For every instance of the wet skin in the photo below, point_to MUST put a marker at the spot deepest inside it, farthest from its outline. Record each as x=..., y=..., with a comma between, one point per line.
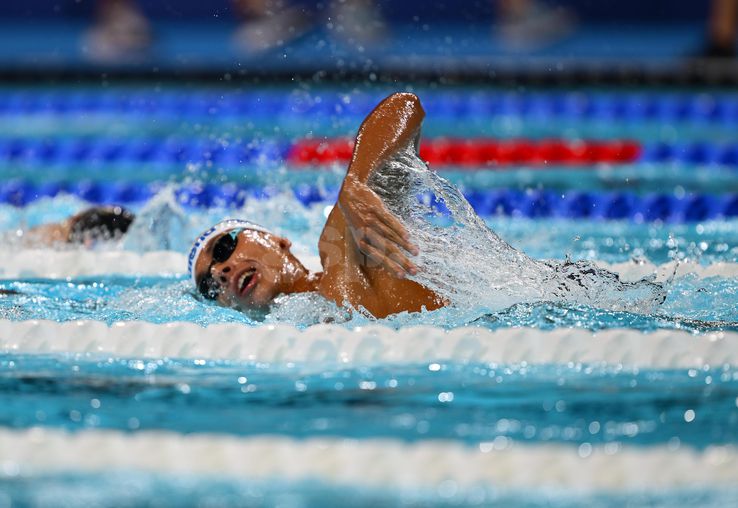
x=365, y=251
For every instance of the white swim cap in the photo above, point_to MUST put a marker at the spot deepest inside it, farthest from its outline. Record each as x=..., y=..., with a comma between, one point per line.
x=221, y=227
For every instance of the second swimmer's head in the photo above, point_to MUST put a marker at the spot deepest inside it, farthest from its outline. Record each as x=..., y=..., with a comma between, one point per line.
x=99, y=223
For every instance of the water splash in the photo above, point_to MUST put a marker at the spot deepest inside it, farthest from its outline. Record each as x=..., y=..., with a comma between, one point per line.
x=465, y=262
x=160, y=225
x=305, y=309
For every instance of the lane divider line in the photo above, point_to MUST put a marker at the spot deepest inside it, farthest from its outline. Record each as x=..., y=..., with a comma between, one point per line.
x=319, y=345
x=377, y=463
x=483, y=153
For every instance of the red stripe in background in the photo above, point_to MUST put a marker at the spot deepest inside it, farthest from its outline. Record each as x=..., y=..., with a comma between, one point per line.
x=483, y=152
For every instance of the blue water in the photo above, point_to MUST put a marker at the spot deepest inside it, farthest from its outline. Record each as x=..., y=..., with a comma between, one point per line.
x=466, y=403
x=694, y=304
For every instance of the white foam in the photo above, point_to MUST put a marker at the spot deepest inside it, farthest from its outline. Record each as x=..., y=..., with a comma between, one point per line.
x=321, y=344
x=634, y=271
x=60, y=264
x=379, y=463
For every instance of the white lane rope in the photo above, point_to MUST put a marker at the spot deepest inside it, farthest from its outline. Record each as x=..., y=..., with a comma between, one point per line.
x=382, y=463
x=59, y=264
x=334, y=344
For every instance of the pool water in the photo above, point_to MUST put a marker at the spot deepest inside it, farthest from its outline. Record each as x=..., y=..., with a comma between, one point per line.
x=470, y=403
x=620, y=407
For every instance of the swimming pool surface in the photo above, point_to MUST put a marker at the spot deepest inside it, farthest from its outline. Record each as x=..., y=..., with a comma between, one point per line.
x=118, y=386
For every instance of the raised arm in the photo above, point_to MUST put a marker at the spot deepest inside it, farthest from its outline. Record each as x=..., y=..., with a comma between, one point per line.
x=392, y=126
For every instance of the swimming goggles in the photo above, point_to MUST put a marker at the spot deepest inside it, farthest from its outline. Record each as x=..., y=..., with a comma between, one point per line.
x=222, y=251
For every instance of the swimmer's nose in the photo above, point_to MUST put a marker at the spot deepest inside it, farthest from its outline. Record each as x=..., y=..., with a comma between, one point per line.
x=221, y=274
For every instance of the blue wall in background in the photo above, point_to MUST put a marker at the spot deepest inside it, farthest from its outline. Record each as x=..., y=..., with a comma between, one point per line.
x=601, y=11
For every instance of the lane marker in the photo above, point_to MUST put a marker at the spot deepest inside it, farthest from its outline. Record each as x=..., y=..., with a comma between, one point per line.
x=380, y=463
x=321, y=345
x=486, y=153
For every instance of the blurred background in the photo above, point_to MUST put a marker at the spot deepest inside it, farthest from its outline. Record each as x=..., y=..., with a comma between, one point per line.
x=481, y=39
x=628, y=105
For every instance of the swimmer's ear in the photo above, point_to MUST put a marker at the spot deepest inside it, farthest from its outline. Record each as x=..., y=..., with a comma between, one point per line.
x=284, y=243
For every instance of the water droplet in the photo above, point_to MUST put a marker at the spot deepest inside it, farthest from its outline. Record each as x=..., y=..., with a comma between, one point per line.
x=446, y=397
x=585, y=450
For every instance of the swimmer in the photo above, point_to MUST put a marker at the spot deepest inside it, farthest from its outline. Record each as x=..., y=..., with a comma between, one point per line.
x=370, y=262
x=365, y=251
x=84, y=228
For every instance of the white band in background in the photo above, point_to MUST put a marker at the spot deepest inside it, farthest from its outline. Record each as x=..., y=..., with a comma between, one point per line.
x=381, y=463
x=373, y=344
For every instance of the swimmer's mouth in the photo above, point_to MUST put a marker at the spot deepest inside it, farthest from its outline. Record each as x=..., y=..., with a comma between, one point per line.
x=247, y=281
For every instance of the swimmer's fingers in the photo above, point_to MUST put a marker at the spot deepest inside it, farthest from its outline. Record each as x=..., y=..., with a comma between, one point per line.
x=391, y=256
x=393, y=229
x=394, y=236
x=364, y=211
x=381, y=259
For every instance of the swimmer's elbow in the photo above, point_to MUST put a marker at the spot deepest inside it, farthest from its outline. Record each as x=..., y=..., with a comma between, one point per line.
x=406, y=102
x=396, y=118
x=393, y=125
x=406, y=97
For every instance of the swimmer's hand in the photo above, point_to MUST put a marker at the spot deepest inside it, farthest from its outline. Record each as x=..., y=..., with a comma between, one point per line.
x=378, y=234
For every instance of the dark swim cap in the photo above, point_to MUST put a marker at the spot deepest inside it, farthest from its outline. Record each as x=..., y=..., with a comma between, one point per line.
x=100, y=223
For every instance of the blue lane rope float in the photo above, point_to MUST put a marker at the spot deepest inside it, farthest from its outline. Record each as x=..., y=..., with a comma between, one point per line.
x=100, y=152
x=630, y=106
x=504, y=202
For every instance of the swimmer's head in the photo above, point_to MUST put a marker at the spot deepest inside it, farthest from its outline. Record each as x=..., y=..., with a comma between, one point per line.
x=240, y=264
x=99, y=223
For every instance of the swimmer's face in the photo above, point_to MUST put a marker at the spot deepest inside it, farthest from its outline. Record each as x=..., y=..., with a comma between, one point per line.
x=245, y=269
